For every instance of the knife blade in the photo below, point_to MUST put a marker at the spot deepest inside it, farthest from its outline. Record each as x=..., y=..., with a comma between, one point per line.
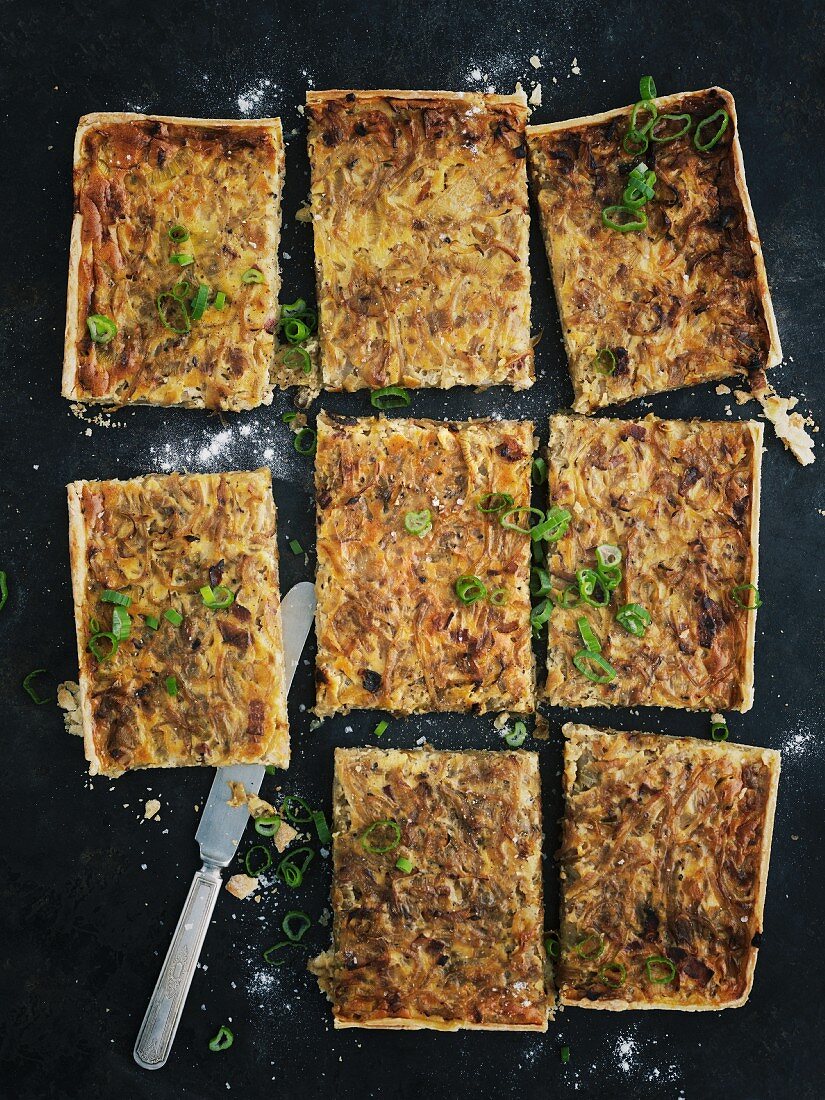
x=218, y=836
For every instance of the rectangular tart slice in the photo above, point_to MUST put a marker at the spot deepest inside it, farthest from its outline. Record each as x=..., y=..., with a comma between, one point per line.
x=173, y=273
x=683, y=301
x=399, y=524
x=680, y=501
x=664, y=862
x=453, y=937
x=421, y=220
x=176, y=599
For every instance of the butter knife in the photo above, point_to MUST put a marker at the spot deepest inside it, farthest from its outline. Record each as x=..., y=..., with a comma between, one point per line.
x=219, y=834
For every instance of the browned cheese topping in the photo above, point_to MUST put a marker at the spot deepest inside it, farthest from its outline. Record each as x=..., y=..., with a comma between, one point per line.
x=392, y=633
x=683, y=301
x=457, y=941
x=159, y=540
x=420, y=212
x=680, y=500
x=135, y=179
x=664, y=855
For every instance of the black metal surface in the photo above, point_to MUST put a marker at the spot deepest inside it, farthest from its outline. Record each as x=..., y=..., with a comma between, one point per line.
x=91, y=892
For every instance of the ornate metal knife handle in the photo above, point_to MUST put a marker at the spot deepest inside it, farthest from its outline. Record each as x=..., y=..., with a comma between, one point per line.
x=157, y=1032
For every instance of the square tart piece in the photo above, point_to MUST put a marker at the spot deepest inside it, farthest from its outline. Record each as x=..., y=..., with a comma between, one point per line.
x=683, y=301
x=454, y=937
x=666, y=843
x=680, y=499
x=392, y=632
x=189, y=682
x=149, y=188
x=421, y=220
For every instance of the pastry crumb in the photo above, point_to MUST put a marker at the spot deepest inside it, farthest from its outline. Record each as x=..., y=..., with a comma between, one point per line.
x=722, y=389
x=535, y=96
x=68, y=699
x=284, y=836
x=535, y=61
x=241, y=886
x=152, y=808
x=790, y=427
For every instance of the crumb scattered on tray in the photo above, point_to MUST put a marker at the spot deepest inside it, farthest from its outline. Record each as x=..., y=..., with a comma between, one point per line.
x=68, y=699
x=152, y=808
x=535, y=96
x=240, y=797
x=284, y=836
x=535, y=61
x=790, y=426
x=242, y=886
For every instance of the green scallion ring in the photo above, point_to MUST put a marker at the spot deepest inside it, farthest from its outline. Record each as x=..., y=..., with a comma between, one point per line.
x=538, y=471
x=275, y=955
x=588, y=635
x=171, y=685
x=404, y=865
x=590, y=581
x=298, y=359
x=302, y=816
x=491, y=503
x=253, y=275
x=152, y=621
x=647, y=88
x=553, y=526
x=540, y=583
x=173, y=616
x=199, y=302
x=719, y=731
x=381, y=728
x=552, y=945
x=565, y=1055
x=225, y=1038
x=418, y=523
x=638, y=192
x=380, y=849
x=537, y=552
x=294, y=330
x=305, y=441
x=121, y=623
x=31, y=691
x=182, y=259
x=182, y=290
x=218, y=598
x=4, y=589
x=185, y=325
x=220, y=301
x=652, y=110
x=634, y=144
x=540, y=615
x=613, y=974
x=288, y=417
x=295, y=308
x=591, y=946
x=321, y=828
x=638, y=222
x=291, y=872
x=659, y=961
x=569, y=597
x=178, y=234
x=267, y=824
x=296, y=547
x=757, y=600
x=101, y=328
x=390, y=397
x=296, y=917
x=634, y=618
x=250, y=863
x=663, y=137
x=604, y=361
x=608, y=555
x=109, y=595
x=499, y=597
x=611, y=576
x=706, y=146
x=95, y=647
x=470, y=589
x=516, y=736
x=585, y=659
x=504, y=519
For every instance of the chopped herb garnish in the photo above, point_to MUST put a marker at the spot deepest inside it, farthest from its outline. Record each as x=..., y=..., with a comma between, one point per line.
x=288, y=416
x=253, y=275
x=516, y=736
x=392, y=841
x=506, y=522
x=171, y=685
x=553, y=526
x=173, y=616
x=183, y=325
x=296, y=547
x=381, y=728
x=418, y=523
x=469, y=589
x=98, y=648
x=660, y=132
x=101, y=328
x=604, y=361
x=404, y=864
x=390, y=397
x=295, y=925
x=298, y=359
x=294, y=330
x=540, y=583
x=552, y=945
x=305, y=441
x=199, y=302
x=588, y=634
x=267, y=824
x=151, y=621
x=660, y=970
x=591, y=946
x=256, y=864
x=719, y=729
x=647, y=88
x=31, y=691
x=220, y=301
x=178, y=234
x=706, y=146
x=321, y=827
x=121, y=623
x=217, y=598
x=292, y=872
x=302, y=815
x=182, y=259
x=613, y=974
x=108, y=595
x=634, y=618
x=592, y=588
x=4, y=589
x=746, y=603
x=494, y=502
x=275, y=955
x=498, y=597
x=538, y=471
x=588, y=662
x=613, y=217
x=223, y=1040
x=540, y=615
x=565, y=1055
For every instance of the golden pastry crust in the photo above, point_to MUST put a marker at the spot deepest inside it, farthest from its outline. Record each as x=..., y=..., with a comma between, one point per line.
x=681, y=501
x=135, y=176
x=421, y=219
x=392, y=634
x=665, y=852
x=159, y=539
x=682, y=302
x=458, y=941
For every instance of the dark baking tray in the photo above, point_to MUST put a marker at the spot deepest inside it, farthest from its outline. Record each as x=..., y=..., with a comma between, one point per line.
x=90, y=892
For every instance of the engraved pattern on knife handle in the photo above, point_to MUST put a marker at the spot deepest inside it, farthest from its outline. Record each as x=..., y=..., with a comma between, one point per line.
x=160, y=1023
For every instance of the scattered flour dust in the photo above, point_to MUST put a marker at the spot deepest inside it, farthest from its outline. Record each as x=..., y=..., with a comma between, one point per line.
x=628, y=1058
x=256, y=95
x=263, y=441
x=798, y=742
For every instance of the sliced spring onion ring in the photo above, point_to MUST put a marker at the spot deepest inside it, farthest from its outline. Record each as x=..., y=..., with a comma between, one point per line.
x=152, y=621
x=295, y=330
x=494, y=502
x=392, y=842
x=634, y=143
x=97, y=649
x=298, y=359
x=296, y=917
x=180, y=305
x=569, y=597
x=538, y=471
x=647, y=87
x=516, y=736
x=288, y=417
x=469, y=588
x=634, y=618
x=638, y=219
x=108, y=595
x=171, y=685
x=217, y=598
x=182, y=259
x=499, y=597
x=296, y=547
x=390, y=397
x=295, y=308
x=404, y=864
x=291, y=872
x=182, y=290
x=173, y=616
x=31, y=691
x=590, y=583
x=537, y=552
x=639, y=191
x=381, y=728
x=660, y=963
x=225, y=1038
x=199, y=302
x=643, y=105
x=121, y=623
x=553, y=526
x=737, y=599
x=540, y=583
x=608, y=556
x=321, y=828
x=540, y=615
x=274, y=955
x=4, y=589
x=565, y=1055
x=178, y=234
x=220, y=301
x=706, y=146
x=719, y=731
x=253, y=275
x=302, y=816
x=418, y=523
x=101, y=328
x=588, y=635
x=305, y=441
x=584, y=661
x=267, y=824
x=552, y=945
x=662, y=134
x=604, y=361
x=504, y=518
x=591, y=946
x=251, y=860
x=613, y=974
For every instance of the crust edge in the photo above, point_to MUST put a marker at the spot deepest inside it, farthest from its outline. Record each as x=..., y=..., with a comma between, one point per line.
x=77, y=557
